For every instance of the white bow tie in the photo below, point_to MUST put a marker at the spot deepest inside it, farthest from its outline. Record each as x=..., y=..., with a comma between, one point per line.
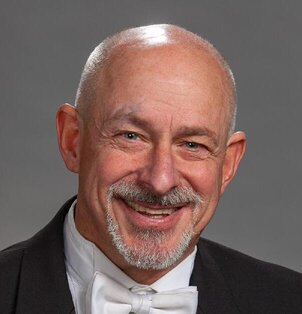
x=106, y=296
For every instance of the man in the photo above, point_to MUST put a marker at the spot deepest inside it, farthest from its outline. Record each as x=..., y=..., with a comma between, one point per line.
x=152, y=140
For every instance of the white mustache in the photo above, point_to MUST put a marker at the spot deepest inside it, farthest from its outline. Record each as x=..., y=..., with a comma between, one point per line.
x=177, y=197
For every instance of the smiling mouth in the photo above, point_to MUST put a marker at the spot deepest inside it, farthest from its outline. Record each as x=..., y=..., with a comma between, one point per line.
x=160, y=212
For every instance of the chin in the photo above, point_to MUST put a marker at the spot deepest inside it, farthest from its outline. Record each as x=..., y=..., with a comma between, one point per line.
x=150, y=249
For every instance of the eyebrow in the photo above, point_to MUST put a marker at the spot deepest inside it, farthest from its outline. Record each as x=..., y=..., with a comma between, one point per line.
x=130, y=117
x=192, y=131
x=183, y=131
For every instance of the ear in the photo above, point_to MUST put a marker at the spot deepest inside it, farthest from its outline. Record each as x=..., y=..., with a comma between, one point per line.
x=235, y=150
x=68, y=133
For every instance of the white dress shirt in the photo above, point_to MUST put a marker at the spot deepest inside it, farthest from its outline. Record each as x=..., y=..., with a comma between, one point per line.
x=83, y=259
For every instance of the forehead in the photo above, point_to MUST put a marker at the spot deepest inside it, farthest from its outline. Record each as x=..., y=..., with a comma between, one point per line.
x=172, y=62
x=170, y=78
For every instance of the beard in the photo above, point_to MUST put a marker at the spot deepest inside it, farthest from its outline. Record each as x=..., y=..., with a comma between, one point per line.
x=151, y=253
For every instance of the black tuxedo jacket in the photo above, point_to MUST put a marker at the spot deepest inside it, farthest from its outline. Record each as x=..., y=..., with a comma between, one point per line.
x=33, y=278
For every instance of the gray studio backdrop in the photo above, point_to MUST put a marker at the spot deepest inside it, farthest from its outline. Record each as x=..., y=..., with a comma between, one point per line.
x=44, y=45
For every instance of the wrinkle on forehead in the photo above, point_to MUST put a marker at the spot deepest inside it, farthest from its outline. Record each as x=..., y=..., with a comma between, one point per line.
x=138, y=82
x=165, y=78
x=171, y=64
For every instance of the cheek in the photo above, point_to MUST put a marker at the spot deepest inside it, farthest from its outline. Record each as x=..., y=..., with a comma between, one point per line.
x=207, y=182
x=112, y=165
x=99, y=169
x=205, y=179
x=103, y=164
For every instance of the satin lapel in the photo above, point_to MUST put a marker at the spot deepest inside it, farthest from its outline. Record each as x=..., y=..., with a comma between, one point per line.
x=214, y=296
x=43, y=281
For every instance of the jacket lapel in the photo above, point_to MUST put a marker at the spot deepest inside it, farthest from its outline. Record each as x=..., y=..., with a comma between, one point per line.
x=43, y=285
x=214, y=295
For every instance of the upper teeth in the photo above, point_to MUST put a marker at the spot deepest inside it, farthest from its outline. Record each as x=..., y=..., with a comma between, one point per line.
x=158, y=211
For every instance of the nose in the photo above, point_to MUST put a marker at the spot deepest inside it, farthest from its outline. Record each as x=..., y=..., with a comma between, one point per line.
x=160, y=174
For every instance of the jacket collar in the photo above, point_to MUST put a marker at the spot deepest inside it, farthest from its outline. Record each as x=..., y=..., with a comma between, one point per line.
x=214, y=296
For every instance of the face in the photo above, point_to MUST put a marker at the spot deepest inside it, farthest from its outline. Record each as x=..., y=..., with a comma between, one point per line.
x=155, y=157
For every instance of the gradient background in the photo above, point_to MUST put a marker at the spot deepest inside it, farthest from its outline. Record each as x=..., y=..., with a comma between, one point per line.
x=44, y=45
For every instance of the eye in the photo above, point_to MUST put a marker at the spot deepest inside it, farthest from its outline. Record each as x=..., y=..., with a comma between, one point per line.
x=194, y=151
x=130, y=135
x=193, y=145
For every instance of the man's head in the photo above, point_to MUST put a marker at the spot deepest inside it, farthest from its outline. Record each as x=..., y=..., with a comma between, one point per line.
x=152, y=140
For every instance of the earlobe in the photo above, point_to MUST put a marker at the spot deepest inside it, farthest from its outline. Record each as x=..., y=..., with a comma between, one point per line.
x=235, y=150
x=68, y=135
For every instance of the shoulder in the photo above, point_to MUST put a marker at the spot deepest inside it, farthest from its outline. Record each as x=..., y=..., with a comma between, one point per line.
x=244, y=265
x=255, y=282
x=11, y=261
x=26, y=266
x=10, y=268
x=50, y=235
